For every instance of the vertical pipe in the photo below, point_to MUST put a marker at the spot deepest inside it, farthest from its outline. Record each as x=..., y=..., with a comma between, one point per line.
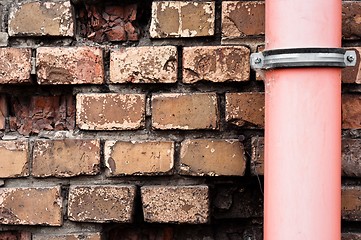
x=303, y=126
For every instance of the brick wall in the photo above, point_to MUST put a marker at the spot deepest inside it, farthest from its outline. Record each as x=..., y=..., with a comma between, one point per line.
x=143, y=120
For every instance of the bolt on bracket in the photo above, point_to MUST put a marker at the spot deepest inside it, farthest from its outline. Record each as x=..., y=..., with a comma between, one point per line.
x=303, y=57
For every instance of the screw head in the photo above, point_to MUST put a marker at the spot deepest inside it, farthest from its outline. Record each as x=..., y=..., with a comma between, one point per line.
x=257, y=60
x=350, y=58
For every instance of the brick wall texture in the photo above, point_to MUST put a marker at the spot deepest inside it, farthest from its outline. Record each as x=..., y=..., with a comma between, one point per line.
x=142, y=120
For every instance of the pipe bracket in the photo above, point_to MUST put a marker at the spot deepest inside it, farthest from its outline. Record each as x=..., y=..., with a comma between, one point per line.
x=303, y=57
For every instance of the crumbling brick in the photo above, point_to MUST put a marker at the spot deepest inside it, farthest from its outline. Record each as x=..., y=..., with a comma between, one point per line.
x=182, y=19
x=101, y=203
x=144, y=65
x=12, y=235
x=351, y=110
x=245, y=109
x=36, y=113
x=138, y=158
x=176, y=204
x=110, y=111
x=185, y=111
x=14, y=159
x=215, y=64
x=39, y=18
x=31, y=206
x=212, y=157
x=69, y=65
x=351, y=20
x=15, y=65
x=351, y=203
x=66, y=157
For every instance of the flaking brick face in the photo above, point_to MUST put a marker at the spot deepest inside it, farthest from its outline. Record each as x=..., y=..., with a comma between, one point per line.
x=14, y=159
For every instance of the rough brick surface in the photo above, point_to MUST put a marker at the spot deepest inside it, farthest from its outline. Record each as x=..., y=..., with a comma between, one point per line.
x=185, y=111
x=66, y=158
x=242, y=19
x=11, y=235
x=351, y=20
x=41, y=18
x=127, y=158
x=31, y=206
x=212, y=157
x=85, y=236
x=351, y=157
x=182, y=19
x=175, y=204
x=245, y=109
x=110, y=111
x=215, y=64
x=15, y=65
x=351, y=236
x=69, y=65
x=257, y=157
x=14, y=159
x=351, y=203
x=37, y=113
x=144, y=65
x=352, y=74
x=101, y=203
x=351, y=111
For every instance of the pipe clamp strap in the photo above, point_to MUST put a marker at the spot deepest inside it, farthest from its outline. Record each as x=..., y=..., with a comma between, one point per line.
x=303, y=57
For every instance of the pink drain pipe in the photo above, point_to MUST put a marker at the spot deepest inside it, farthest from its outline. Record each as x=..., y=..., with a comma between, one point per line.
x=303, y=122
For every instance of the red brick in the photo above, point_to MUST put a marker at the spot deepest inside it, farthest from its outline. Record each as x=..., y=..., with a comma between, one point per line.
x=182, y=19
x=101, y=203
x=110, y=111
x=215, y=64
x=175, y=204
x=351, y=111
x=14, y=159
x=352, y=74
x=15, y=65
x=66, y=157
x=12, y=235
x=37, y=113
x=351, y=203
x=83, y=236
x=69, y=65
x=3, y=111
x=212, y=157
x=185, y=111
x=41, y=19
x=144, y=65
x=245, y=109
x=351, y=19
x=242, y=19
x=31, y=206
x=138, y=158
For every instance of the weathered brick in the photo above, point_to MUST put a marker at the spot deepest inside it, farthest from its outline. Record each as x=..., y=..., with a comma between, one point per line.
x=139, y=158
x=3, y=111
x=351, y=236
x=351, y=111
x=242, y=19
x=245, y=109
x=66, y=157
x=182, y=19
x=215, y=64
x=212, y=157
x=101, y=203
x=31, y=206
x=352, y=74
x=351, y=203
x=33, y=114
x=351, y=19
x=110, y=111
x=185, y=111
x=83, y=236
x=12, y=235
x=15, y=65
x=69, y=65
x=14, y=159
x=41, y=19
x=175, y=204
x=144, y=65
x=257, y=157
